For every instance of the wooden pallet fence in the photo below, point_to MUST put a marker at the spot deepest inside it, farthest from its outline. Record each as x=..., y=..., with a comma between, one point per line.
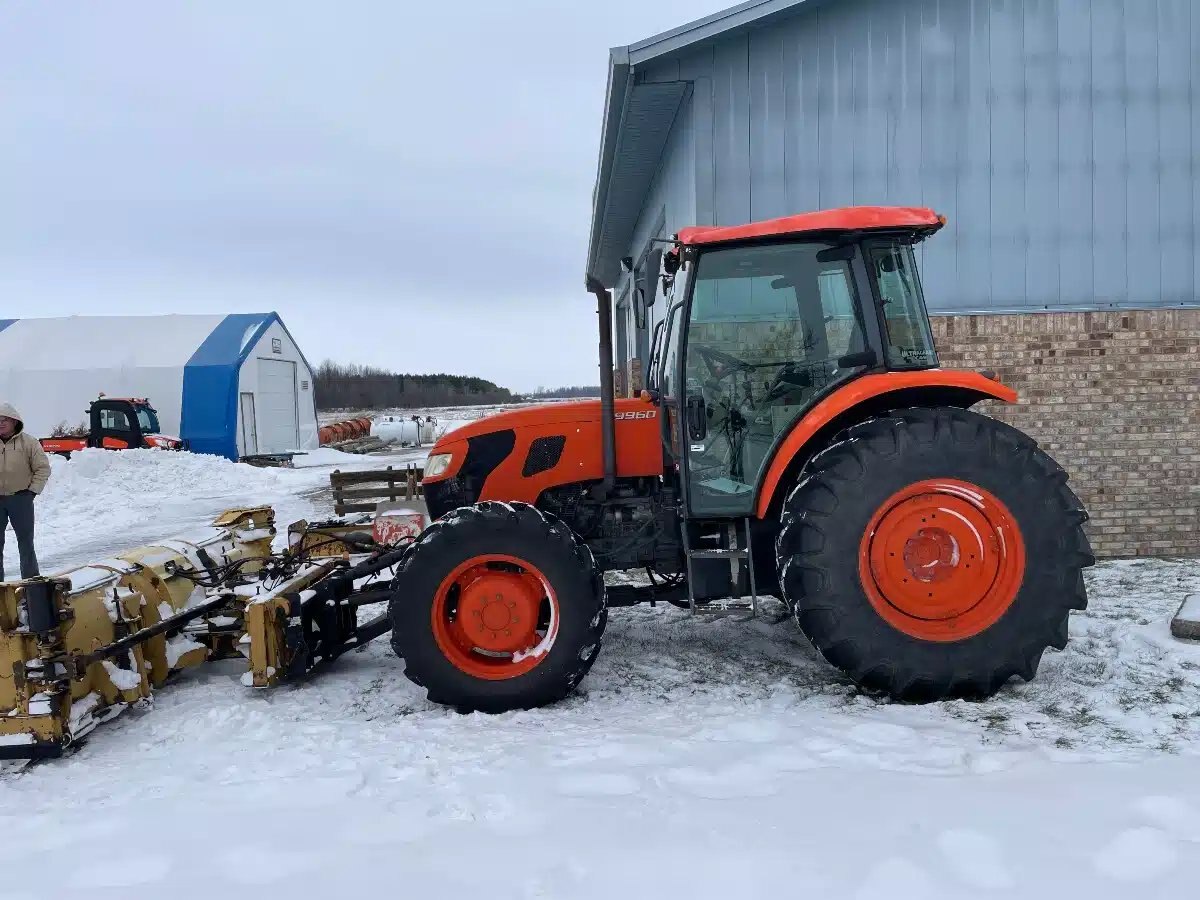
x=360, y=491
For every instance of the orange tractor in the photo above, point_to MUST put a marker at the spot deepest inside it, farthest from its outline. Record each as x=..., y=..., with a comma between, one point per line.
x=117, y=423
x=797, y=439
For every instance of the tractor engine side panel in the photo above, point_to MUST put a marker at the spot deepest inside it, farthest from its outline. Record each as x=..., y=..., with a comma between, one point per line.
x=523, y=462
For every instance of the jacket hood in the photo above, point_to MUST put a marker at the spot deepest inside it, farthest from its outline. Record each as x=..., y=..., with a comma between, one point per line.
x=8, y=410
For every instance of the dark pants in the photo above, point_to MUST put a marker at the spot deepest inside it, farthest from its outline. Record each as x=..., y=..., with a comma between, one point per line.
x=18, y=509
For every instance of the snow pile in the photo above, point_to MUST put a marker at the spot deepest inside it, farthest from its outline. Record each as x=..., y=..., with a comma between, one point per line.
x=101, y=478
x=102, y=502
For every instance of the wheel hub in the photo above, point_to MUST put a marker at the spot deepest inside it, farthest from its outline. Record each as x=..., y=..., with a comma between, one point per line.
x=942, y=559
x=495, y=617
x=498, y=611
x=931, y=554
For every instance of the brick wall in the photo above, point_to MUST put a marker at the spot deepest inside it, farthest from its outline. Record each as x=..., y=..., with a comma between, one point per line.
x=1115, y=398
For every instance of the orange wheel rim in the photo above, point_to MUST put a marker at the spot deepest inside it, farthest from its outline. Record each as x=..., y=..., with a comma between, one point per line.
x=942, y=560
x=495, y=617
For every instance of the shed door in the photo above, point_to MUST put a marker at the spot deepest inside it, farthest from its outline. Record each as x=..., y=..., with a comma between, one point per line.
x=249, y=438
x=277, y=417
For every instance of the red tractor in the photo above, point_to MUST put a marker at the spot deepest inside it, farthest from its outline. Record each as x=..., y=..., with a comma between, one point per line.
x=116, y=423
x=798, y=439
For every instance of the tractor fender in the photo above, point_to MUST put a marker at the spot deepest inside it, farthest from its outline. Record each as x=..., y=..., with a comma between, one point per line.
x=866, y=396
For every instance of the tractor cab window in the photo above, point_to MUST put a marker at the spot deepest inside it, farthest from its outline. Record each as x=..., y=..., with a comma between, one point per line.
x=148, y=420
x=766, y=329
x=669, y=361
x=908, y=337
x=114, y=420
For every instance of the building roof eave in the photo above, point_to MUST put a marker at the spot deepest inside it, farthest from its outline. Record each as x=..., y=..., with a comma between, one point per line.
x=627, y=163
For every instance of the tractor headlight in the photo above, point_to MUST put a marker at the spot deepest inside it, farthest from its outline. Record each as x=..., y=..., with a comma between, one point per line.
x=437, y=464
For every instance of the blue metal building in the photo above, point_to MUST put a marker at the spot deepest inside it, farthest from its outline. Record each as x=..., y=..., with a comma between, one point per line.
x=1059, y=137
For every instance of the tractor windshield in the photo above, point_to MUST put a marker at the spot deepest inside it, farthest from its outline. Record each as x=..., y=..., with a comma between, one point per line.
x=908, y=341
x=148, y=420
x=767, y=328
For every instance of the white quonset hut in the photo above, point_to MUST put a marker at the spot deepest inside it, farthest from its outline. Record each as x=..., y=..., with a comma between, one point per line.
x=233, y=385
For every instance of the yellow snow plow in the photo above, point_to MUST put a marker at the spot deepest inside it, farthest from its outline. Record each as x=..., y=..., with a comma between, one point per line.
x=79, y=648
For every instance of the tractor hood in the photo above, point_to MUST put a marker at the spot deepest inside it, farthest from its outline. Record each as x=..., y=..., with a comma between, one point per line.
x=519, y=454
x=543, y=415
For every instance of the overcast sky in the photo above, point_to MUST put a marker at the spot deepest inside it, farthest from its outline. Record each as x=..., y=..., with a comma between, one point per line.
x=407, y=184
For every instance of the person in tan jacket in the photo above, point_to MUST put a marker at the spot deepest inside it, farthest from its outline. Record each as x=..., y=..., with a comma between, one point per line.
x=24, y=471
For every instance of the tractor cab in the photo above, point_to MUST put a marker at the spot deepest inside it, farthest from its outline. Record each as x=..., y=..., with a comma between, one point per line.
x=126, y=422
x=761, y=324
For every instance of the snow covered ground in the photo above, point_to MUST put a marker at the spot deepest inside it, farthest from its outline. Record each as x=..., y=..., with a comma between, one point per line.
x=699, y=759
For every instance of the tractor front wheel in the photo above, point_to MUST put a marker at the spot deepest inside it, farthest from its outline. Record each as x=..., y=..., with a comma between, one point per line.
x=497, y=607
x=933, y=553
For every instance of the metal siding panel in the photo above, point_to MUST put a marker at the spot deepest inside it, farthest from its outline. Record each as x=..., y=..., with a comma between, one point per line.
x=731, y=132
x=1108, y=148
x=975, y=179
x=1143, y=249
x=906, y=176
x=834, y=102
x=1075, y=179
x=956, y=16
x=768, y=115
x=863, y=153
x=939, y=150
x=698, y=69
x=1194, y=165
x=884, y=66
x=681, y=205
x=1177, y=239
x=802, y=86
x=1009, y=222
x=1042, y=212
x=876, y=112
x=661, y=70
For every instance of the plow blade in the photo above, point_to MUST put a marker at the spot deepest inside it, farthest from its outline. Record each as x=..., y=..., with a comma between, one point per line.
x=79, y=648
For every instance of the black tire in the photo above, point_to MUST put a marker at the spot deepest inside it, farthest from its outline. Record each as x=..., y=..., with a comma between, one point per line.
x=513, y=529
x=826, y=515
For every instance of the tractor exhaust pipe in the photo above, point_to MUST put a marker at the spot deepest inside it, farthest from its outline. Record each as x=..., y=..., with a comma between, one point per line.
x=608, y=424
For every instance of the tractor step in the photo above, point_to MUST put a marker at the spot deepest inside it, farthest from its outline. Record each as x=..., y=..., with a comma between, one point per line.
x=735, y=555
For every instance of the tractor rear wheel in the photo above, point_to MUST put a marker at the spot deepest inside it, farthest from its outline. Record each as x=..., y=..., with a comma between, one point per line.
x=933, y=553
x=497, y=607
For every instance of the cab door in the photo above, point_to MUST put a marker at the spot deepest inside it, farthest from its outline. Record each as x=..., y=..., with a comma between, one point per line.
x=769, y=330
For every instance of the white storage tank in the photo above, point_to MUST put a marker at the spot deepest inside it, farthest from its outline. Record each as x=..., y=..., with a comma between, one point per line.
x=412, y=430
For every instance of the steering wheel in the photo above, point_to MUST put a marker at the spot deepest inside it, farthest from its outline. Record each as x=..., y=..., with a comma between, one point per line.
x=720, y=363
x=790, y=378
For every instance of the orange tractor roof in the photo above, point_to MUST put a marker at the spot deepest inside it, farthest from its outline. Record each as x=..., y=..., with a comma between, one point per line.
x=850, y=218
